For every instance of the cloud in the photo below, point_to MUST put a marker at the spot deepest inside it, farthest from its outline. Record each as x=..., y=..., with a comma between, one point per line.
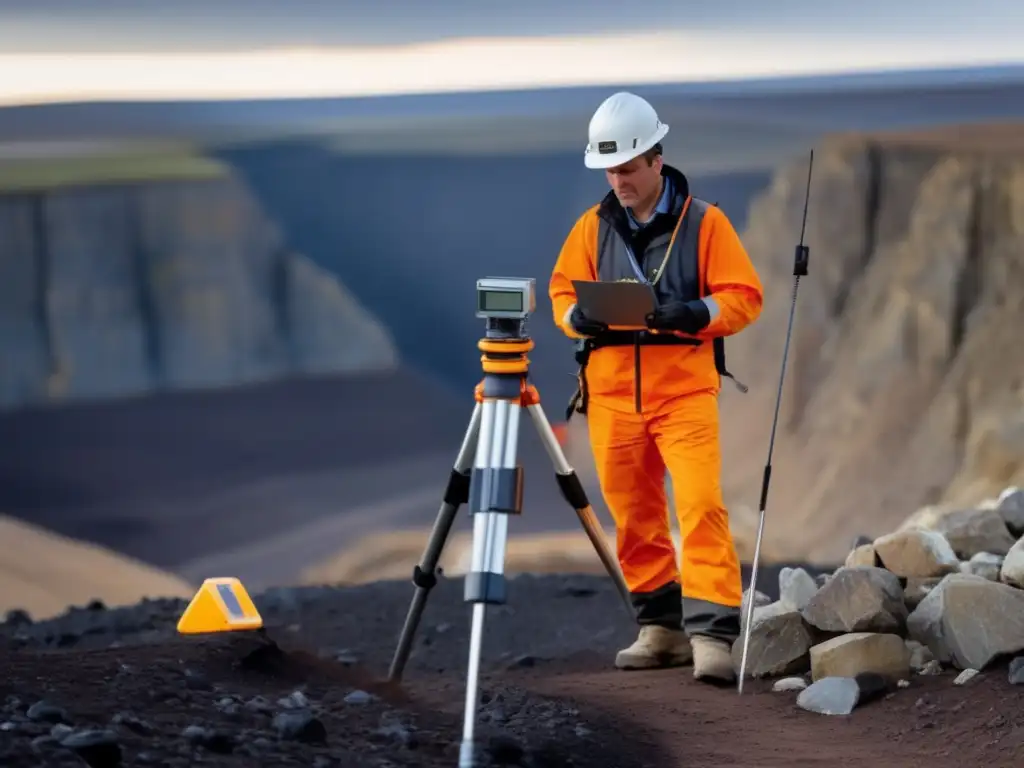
x=469, y=64
x=210, y=25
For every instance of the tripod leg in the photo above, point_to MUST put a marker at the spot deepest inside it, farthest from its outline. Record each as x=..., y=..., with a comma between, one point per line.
x=573, y=492
x=495, y=493
x=424, y=575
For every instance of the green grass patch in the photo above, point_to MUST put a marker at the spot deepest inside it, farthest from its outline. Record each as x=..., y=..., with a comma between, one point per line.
x=107, y=168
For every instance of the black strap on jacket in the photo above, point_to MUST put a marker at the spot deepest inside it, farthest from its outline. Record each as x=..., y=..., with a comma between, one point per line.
x=584, y=347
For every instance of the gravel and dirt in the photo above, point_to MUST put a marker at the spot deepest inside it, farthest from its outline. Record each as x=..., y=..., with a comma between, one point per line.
x=108, y=687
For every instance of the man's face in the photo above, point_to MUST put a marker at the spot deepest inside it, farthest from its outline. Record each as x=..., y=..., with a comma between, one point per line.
x=636, y=181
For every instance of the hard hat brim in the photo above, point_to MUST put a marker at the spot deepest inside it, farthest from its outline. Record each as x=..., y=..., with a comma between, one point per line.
x=592, y=159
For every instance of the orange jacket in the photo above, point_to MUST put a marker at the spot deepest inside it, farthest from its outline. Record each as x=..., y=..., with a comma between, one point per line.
x=667, y=371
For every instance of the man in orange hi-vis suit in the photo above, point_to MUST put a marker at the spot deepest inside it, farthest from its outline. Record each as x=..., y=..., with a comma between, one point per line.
x=651, y=396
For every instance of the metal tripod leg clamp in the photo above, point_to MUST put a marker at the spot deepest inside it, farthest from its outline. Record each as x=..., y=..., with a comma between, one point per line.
x=492, y=487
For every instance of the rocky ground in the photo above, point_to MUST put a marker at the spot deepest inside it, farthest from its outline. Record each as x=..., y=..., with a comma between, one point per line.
x=108, y=687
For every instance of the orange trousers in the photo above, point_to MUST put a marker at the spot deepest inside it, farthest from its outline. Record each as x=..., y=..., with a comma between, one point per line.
x=701, y=588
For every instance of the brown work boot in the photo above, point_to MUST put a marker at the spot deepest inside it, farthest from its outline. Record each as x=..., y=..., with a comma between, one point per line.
x=712, y=659
x=656, y=647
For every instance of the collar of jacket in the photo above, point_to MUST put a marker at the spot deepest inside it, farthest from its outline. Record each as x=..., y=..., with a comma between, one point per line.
x=663, y=206
x=612, y=210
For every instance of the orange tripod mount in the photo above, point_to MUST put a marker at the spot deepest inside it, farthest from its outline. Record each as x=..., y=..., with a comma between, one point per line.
x=492, y=485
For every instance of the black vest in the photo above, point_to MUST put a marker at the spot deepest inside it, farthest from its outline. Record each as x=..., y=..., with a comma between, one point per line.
x=623, y=254
x=627, y=254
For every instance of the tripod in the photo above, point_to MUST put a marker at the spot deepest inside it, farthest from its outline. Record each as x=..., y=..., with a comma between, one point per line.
x=493, y=488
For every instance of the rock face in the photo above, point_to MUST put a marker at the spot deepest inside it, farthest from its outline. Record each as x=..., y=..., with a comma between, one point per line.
x=119, y=290
x=841, y=695
x=984, y=564
x=830, y=696
x=915, y=590
x=973, y=531
x=853, y=654
x=858, y=599
x=1011, y=569
x=916, y=553
x=913, y=297
x=1010, y=506
x=779, y=642
x=969, y=621
x=796, y=587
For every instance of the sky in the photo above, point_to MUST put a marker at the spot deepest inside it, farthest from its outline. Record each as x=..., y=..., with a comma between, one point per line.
x=103, y=25
x=52, y=50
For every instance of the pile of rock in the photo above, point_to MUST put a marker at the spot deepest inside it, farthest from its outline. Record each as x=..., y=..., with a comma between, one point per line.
x=945, y=591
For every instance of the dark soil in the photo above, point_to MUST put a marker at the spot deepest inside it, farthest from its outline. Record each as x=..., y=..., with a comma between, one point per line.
x=309, y=691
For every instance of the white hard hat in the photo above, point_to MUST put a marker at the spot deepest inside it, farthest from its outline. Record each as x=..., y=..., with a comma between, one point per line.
x=623, y=127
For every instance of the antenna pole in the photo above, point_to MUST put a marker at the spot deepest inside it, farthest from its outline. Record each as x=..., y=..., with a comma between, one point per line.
x=800, y=264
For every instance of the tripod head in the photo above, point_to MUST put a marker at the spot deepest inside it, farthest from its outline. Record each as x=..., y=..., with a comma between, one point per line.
x=505, y=303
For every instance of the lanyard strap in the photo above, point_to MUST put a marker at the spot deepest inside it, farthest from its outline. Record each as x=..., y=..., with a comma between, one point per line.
x=668, y=252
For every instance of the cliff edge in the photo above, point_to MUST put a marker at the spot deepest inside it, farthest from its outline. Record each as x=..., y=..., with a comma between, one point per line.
x=118, y=289
x=904, y=386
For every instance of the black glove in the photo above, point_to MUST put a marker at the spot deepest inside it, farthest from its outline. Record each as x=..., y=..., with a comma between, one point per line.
x=686, y=316
x=584, y=325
